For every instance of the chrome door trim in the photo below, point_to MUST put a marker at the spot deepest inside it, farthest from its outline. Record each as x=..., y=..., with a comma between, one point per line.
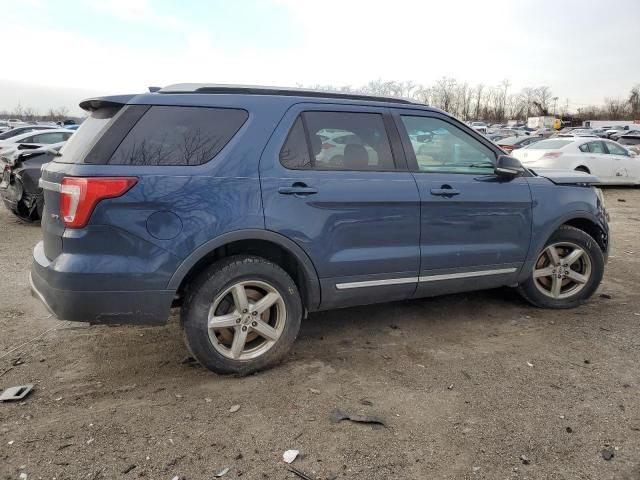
x=453, y=276
x=376, y=283
x=424, y=278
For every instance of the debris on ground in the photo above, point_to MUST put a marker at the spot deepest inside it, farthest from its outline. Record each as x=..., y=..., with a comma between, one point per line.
x=314, y=390
x=530, y=364
x=234, y=408
x=222, y=472
x=569, y=430
x=606, y=295
x=622, y=200
x=608, y=453
x=365, y=401
x=525, y=460
x=290, y=455
x=13, y=394
x=299, y=473
x=17, y=361
x=450, y=387
x=337, y=416
x=129, y=468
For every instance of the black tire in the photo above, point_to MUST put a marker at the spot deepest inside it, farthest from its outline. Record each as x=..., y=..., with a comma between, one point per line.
x=582, y=169
x=566, y=233
x=204, y=291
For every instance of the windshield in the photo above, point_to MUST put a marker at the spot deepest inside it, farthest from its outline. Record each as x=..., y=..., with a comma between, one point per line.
x=86, y=136
x=549, y=144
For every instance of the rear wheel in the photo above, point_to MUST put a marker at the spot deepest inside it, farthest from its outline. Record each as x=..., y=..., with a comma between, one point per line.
x=568, y=270
x=242, y=315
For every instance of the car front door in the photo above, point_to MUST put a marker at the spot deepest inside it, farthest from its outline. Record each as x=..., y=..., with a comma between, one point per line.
x=627, y=168
x=599, y=162
x=353, y=207
x=475, y=226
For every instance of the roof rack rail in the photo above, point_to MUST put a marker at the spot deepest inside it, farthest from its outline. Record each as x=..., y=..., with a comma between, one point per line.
x=211, y=88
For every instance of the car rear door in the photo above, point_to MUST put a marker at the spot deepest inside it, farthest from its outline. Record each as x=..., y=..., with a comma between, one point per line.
x=475, y=226
x=354, y=210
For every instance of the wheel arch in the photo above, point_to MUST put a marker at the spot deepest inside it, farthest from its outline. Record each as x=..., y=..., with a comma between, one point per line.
x=582, y=220
x=582, y=168
x=263, y=243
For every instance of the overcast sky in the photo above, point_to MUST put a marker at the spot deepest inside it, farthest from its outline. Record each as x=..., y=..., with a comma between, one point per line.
x=58, y=52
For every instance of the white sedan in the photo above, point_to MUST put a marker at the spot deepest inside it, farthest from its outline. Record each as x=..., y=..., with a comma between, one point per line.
x=609, y=161
x=35, y=139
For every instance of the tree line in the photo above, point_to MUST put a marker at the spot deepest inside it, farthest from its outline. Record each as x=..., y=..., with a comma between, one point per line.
x=496, y=103
x=30, y=114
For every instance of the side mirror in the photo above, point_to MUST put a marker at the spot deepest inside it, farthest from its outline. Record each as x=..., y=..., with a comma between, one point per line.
x=507, y=166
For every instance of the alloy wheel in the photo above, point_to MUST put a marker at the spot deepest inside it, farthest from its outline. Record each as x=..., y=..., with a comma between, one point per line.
x=246, y=320
x=563, y=269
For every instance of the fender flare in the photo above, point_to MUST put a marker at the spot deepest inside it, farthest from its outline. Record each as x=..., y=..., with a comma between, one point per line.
x=312, y=284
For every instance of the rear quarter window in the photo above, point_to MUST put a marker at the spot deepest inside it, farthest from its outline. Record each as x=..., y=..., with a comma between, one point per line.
x=167, y=135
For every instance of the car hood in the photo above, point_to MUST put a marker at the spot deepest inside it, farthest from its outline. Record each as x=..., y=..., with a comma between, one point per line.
x=566, y=177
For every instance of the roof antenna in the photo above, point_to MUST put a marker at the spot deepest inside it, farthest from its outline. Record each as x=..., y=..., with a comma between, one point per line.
x=154, y=89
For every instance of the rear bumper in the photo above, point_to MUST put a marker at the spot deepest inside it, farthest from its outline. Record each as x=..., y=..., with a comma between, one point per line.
x=146, y=307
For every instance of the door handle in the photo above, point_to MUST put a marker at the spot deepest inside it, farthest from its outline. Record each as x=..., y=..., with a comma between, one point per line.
x=298, y=189
x=445, y=191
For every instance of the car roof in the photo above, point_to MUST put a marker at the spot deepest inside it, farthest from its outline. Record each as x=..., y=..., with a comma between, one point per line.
x=176, y=94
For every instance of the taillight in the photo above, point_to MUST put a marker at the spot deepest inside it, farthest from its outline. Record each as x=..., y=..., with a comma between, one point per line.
x=507, y=148
x=80, y=195
x=552, y=155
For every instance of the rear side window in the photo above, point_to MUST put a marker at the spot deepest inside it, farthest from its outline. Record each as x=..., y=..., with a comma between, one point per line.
x=338, y=141
x=84, y=138
x=178, y=136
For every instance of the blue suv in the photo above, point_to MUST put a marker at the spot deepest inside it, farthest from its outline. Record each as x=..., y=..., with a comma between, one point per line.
x=249, y=207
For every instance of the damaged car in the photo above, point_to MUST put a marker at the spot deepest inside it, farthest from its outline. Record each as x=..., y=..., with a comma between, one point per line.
x=20, y=173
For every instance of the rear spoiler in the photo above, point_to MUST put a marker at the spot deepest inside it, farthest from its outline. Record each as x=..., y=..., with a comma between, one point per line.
x=91, y=104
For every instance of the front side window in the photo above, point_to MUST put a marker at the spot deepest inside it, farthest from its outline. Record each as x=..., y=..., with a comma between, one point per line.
x=178, y=136
x=616, y=149
x=338, y=141
x=441, y=147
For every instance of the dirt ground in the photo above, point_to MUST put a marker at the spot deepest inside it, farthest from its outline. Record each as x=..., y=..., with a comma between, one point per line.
x=473, y=386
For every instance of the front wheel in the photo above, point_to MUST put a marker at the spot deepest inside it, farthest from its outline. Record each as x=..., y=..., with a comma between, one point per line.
x=567, y=272
x=241, y=315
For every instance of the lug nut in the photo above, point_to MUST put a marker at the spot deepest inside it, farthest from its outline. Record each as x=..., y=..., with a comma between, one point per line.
x=237, y=320
x=254, y=313
x=244, y=328
x=254, y=324
x=244, y=310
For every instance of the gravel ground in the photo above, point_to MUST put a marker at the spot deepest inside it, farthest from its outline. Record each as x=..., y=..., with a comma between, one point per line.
x=473, y=386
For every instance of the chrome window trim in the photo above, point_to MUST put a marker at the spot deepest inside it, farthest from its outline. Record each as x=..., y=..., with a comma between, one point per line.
x=424, y=278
